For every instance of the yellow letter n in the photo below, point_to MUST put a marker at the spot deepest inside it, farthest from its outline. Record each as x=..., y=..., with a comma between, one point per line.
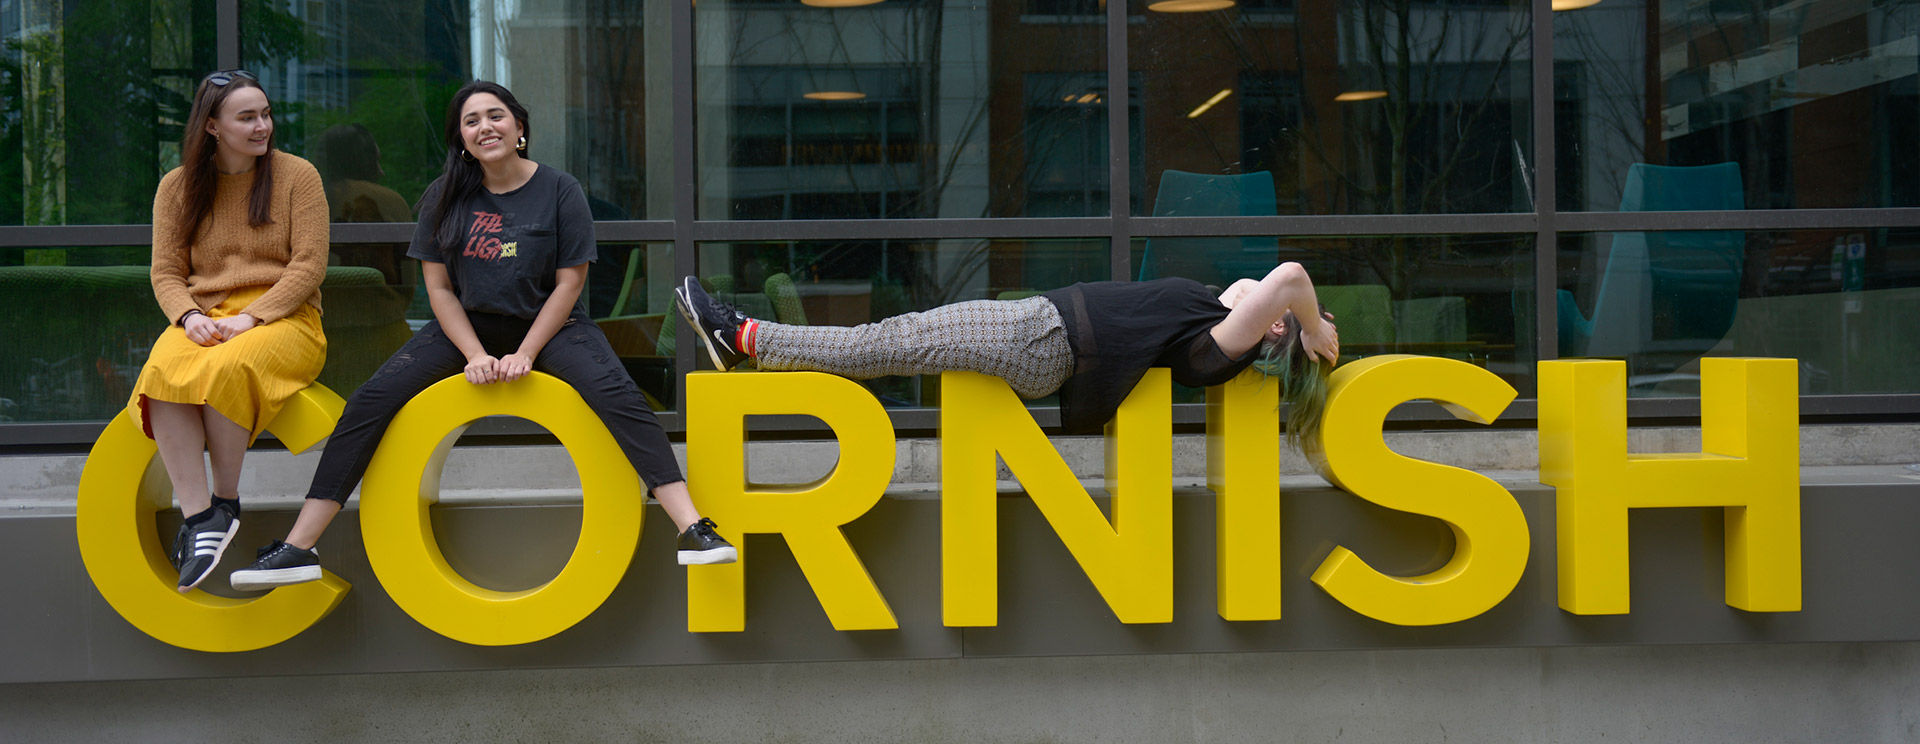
x=807, y=516
x=1749, y=463
x=1129, y=560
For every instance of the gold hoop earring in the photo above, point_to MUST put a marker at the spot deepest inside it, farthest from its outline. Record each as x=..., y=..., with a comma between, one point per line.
x=467, y=156
x=523, y=143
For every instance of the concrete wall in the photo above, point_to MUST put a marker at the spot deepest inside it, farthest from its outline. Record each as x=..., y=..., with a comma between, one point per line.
x=1777, y=693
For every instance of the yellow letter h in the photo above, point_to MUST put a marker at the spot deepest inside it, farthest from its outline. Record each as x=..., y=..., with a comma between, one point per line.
x=1749, y=463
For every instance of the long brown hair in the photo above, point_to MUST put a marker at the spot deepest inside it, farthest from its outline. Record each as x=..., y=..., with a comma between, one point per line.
x=197, y=173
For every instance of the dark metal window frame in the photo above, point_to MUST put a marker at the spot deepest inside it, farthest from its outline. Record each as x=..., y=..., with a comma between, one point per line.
x=684, y=232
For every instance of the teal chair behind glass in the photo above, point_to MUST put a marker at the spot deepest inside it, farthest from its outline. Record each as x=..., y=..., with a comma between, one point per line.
x=1668, y=296
x=1216, y=261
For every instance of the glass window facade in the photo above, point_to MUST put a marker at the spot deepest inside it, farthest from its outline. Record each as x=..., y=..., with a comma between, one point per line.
x=1368, y=107
x=92, y=96
x=905, y=108
x=1493, y=181
x=1817, y=104
x=1843, y=302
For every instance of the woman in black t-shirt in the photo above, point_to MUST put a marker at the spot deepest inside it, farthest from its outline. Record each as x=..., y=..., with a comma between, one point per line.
x=504, y=244
x=1092, y=341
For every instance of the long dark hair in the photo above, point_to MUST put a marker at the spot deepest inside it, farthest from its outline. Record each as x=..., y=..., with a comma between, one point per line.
x=461, y=178
x=197, y=173
x=1303, y=382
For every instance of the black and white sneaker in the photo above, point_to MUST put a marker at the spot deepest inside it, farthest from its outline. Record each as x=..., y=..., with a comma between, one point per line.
x=700, y=545
x=278, y=564
x=717, y=323
x=201, y=541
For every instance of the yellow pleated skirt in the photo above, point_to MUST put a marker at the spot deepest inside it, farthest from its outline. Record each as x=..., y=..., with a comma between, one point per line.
x=246, y=379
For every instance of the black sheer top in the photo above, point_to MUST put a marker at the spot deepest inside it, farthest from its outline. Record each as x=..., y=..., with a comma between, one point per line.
x=1118, y=330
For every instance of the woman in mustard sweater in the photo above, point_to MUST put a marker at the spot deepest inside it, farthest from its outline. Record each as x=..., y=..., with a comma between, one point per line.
x=239, y=249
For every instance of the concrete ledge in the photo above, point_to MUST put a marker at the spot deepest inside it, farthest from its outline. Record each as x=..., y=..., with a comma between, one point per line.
x=537, y=474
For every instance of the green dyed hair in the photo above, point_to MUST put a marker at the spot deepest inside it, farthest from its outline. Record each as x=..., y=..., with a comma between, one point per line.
x=1303, y=382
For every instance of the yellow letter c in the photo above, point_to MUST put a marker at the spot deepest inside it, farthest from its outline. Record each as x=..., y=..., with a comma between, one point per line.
x=121, y=488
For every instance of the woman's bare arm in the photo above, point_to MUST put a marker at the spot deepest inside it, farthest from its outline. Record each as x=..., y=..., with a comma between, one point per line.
x=1257, y=306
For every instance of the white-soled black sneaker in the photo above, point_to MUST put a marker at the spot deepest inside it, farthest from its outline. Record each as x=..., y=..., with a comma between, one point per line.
x=202, y=539
x=278, y=564
x=700, y=545
x=717, y=323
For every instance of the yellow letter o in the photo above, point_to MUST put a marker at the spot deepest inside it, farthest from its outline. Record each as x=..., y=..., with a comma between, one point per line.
x=121, y=488
x=404, y=479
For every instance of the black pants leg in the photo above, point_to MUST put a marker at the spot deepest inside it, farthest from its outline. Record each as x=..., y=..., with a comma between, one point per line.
x=427, y=358
x=581, y=357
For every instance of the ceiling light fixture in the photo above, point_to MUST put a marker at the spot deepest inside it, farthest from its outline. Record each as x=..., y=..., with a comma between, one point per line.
x=1360, y=95
x=1189, y=6
x=1202, y=108
x=1574, y=4
x=834, y=95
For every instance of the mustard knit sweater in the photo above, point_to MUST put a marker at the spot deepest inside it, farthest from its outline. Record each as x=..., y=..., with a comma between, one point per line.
x=289, y=253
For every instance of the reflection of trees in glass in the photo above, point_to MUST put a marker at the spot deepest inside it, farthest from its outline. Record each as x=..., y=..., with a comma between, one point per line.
x=109, y=73
x=37, y=128
x=951, y=134
x=1445, y=129
x=1444, y=137
x=404, y=62
x=613, y=46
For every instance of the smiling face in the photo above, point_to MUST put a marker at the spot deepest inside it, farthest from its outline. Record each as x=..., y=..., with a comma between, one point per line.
x=488, y=130
x=244, y=124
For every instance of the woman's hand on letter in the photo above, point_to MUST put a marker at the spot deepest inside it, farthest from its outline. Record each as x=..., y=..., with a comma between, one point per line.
x=480, y=369
x=512, y=367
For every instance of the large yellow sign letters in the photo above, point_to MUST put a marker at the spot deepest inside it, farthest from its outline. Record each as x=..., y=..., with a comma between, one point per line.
x=1490, y=532
x=123, y=486
x=808, y=516
x=404, y=479
x=1243, y=469
x=1130, y=560
x=1749, y=463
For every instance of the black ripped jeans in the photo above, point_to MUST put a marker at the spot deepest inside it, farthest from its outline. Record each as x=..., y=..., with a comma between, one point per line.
x=578, y=354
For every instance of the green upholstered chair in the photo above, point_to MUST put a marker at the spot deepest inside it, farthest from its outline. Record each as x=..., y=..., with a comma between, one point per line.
x=1215, y=261
x=1666, y=297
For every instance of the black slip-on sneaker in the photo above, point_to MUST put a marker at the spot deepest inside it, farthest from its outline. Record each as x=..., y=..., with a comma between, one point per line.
x=700, y=545
x=278, y=564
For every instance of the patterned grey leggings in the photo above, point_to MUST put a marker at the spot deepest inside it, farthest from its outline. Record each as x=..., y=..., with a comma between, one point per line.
x=1021, y=341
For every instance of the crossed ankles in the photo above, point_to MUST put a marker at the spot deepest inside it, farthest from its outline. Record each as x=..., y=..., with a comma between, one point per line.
x=202, y=540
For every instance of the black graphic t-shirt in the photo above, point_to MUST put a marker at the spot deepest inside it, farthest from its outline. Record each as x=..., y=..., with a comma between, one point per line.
x=512, y=244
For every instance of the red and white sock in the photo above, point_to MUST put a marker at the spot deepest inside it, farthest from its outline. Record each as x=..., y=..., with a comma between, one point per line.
x=745, y=337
